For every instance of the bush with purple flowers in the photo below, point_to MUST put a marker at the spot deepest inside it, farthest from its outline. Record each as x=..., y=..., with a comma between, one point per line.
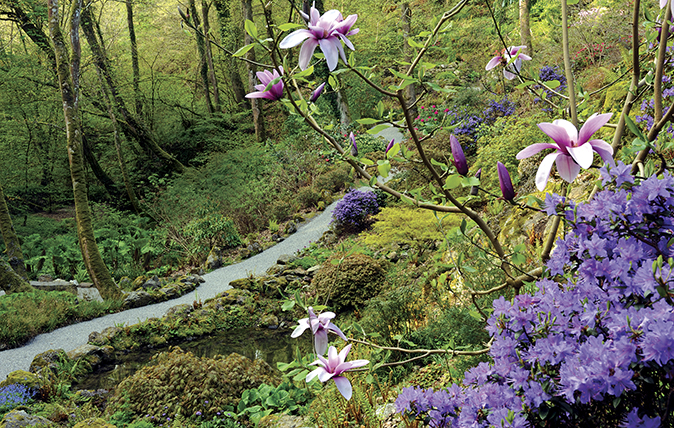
x=351, y=213
x=549, y=74
x=594, y=344
x=14, y=395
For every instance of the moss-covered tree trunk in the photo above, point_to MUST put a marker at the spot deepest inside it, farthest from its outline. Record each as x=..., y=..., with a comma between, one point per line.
x=201, y=48
x=255, y=103
x=205, y=8
x=10, y=282
x=68, y=68
x=406, y=22
x=230, y=38
x=525, y=30
x=12, y=245
x=134, y=57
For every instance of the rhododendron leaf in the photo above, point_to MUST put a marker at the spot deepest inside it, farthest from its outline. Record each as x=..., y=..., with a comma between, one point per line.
x=366, y=161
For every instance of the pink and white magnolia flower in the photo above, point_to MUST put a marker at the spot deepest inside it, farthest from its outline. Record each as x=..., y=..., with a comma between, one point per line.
x=327, y=31
x=319, y=325
x=663, y=3
x=333, y=367
x=275, y=92
x=573, y=150
x=505, y=57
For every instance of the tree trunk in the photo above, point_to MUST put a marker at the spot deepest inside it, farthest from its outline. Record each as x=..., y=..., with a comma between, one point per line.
x=230, y=38
x=10, y=282
x=343, y=105
x=201, y=48
x=35, y=33
x=406, y=21
x=100, y=174
x=205, y=7
x=132, y=128
x=12, y=245
x=525, y=30
x=134, y=58
x=67, y=68
x=255, y=103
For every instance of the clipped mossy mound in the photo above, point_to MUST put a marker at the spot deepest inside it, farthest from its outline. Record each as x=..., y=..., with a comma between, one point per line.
x=181, y=384
x=348, y=282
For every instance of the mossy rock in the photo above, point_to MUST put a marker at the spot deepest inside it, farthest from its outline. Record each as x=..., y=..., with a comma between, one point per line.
x=243, y=283
x=233, y=296
x=139, y=281
x=49, y=358
x=20, y=419
x=351, y=282
x=180, y=383
x=93, y=423
x=22, y=377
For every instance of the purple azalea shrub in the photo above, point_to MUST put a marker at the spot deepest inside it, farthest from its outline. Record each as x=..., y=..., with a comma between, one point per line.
x=15, y=395
x=353, y=210
x=548, y=74
x=594, y=345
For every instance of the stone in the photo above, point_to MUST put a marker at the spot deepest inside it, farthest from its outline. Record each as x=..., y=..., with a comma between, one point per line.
x=58, y=285
x=23, y=377
x=89, y=294
x=48, y=359
x=275, y=269
x=254, y=248
x=125, y=283
x=45, y=278
x=170, y=292
x=185, y=308
x=328, y=237
x=291, y=228
x=96, y=338
x=393, y=256
x=110, y=332
x=93, y=423
x=214, y=259
x=285, y=259
x=94, y=355
x=136, y=299
x=232, y=296
x=283, y=421
x=385, y=410
x=312, y=270
x=20, y=419
x=152, y=283
x=269, y=321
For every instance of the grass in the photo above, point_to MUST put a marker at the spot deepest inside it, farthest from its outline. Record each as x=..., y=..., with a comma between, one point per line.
x=48, y=311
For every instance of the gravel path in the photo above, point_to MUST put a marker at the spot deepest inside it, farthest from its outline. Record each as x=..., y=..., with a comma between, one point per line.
x=72, y=336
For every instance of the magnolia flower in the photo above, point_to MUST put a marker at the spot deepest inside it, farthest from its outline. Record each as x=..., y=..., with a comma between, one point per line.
x=354, y=147
x=275, y=92
x=663, y=3
x=325, y=31
x=573, y=150
x=317, y=93
x=505, y=57
x=390, y=145
x=459, y=158
x=333, y=367
x=319, y=326
x=504, y=182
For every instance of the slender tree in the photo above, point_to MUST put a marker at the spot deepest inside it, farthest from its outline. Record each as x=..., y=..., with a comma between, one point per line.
x=255, y=103
x=230, y=39
x=12, y=245
x=134, y=58
x=525, y=30
x=406, y=22
x=68, y=70
x=205, y=8
x=201, y=48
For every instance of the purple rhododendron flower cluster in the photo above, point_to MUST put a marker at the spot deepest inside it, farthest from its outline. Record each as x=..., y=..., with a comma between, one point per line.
x=14, y=395
x=548, y=74
x=354, y=208
x=594, y=346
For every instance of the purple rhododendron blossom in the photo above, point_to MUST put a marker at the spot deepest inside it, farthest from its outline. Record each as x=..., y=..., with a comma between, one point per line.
x=573, y=149
x=327, y=31
x=333, y=367
x=275, y=92
x=505, y=57
x=319, y=326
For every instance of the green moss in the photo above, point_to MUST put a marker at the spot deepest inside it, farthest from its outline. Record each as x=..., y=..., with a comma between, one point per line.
x=22, y=377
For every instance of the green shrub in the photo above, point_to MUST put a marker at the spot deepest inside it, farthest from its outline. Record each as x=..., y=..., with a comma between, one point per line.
x=179, y=384
x=334, y=180
x=348, y=281
x=307, y=197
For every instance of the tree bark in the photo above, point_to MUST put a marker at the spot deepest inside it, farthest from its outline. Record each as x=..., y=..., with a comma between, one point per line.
x=134, y=58
x=205, y=7
x=100, y=174
x=406, y=21
x=10, y=282
x=203, y=64
x=525, y=30
x=12, y=245
x=35, y=33
x=132, y=128
x=230, y=38
x=255, y=103
x=67, y=67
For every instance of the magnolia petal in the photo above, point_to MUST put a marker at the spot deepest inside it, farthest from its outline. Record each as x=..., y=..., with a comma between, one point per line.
x=558, y=133
x=346, y=41
x=493, y=63
x=351, y=365
x=337, y=331
x=544, y=169
x=331, y=16
x=325, y=317
x=343, y=353
x=341, y=49
x=313, y=374
x=663, y=3
x=330, y=51
x=306, y=52
x=534, y=149
x=514, y=49
x=524, y=57
x=568, y=126
x=508, y=75
x=264, y=76
x=295, y=38
x=568, y=168
x=592, y=125
x=302, y=326
x=333, y=358
x=343, y=386
x=321, y=341
x=582, y=155
x=261, y=94
x=604, y=149
x=315, y=15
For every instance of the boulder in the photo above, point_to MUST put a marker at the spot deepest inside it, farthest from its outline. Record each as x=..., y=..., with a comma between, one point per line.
x=269, y=321
x=111, y=332
x=214, y=259
x=312, y=270
x=20, y=419
x=174, y=311
x=22, y=377
x=58, y=285
x=285, y=259
x=89, y=294
x=254, y=248
x=48, y=359
x=96, y=338
x=275, y=269
x=291, y=228
x=170, y=292
x=94, y=355
x=152, y=283
x=136, y=299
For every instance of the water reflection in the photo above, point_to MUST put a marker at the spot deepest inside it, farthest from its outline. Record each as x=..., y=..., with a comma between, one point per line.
x=271, y=346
